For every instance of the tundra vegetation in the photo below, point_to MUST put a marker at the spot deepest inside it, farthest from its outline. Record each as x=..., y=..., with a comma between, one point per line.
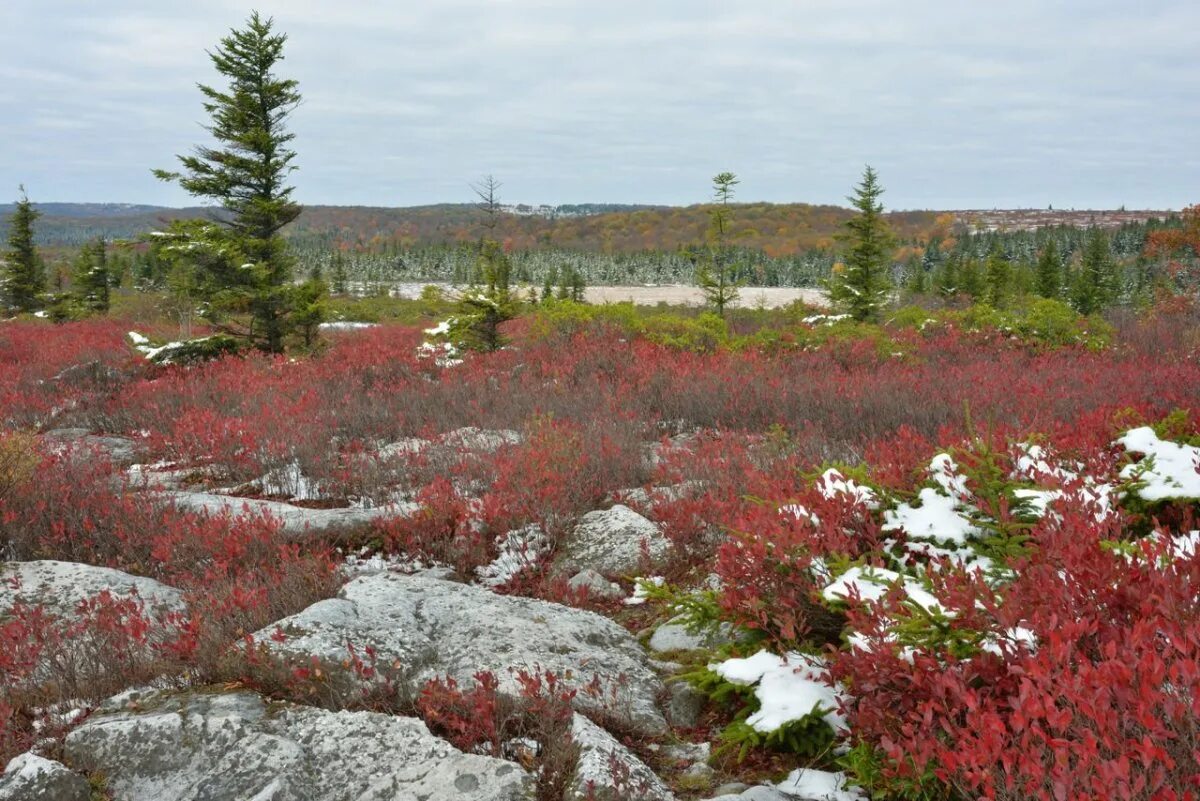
x=940, y=541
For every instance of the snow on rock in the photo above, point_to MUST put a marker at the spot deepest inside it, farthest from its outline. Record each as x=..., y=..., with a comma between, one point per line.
x=59, y=587
x=872, y=583
x=1169, y=470
x=788, y=688
x=434, y=628
x=30, y=777
x=614, y=541
x=833, y=484
x=608, y=771
x=811, y=784
x=196, y=746
x=297, y=521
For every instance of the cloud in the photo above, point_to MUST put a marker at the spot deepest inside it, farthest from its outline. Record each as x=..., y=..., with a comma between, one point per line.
x=1075, y=102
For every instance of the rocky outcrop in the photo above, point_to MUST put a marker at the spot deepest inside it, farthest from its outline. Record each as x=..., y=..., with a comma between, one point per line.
x=81, y=441
x=199, y=746
x=59, y=587
x=298, y=521
x=29, y=777
x=434, y=628
x=481, y=440
x=616, y=541
x=608, y=771
x=596, y=586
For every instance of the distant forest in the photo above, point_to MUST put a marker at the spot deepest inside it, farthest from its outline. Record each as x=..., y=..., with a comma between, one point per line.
x=777, y=244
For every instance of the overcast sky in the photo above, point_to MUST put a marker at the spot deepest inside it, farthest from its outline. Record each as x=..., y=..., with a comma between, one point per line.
x=1088, y=103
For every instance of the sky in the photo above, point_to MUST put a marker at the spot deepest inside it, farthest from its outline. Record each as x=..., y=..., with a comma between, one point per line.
x=956, y=103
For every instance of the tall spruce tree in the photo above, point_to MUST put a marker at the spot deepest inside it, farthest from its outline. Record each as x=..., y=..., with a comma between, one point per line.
x=92, y=279
x=247, y=268
x=1048, y=272
x=998, y=278
x=24, y=275
x=716, y=274
x=862, y=287
x=1094, y=285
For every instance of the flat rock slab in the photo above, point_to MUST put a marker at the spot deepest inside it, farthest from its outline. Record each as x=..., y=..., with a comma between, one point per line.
x=616, y=541
x=119, y=450
x=201, y=746
x=298, y=521
x=59, y=587
x=29, y=777
x=608, y=771
x=436, y=629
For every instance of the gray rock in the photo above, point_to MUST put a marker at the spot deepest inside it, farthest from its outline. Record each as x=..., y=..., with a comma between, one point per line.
x=200, y=746
x=674, y=636
x=699, y=772
x=94, y=373
x=596, y=585
x=298, y=521
x=644, y=498
x=685, y=705
x=732, y=788
x=608, y=771
x=688, y=752
x=438, y=628
x=615, y=541
x=60, y=586
x=80, y=441
x=481, y=440
x=408, y=446
x=29, y=777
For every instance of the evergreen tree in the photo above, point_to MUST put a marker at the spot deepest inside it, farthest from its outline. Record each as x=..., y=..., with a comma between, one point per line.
x=247, y=268
x=916, y=279
x=998, y=276
x=861, y=289
x=971, y=280
x=24, y=275
x=946, y=279
x=1094, y=285
x=340, y=281
x=91, y=280
x=716, y=276
x=482, y=309
x=1048, y=272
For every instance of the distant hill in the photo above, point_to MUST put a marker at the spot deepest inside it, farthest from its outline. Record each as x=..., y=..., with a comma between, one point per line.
x=777, y=229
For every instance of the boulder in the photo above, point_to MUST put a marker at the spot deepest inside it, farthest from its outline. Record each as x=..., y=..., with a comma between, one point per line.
x=199, y=746
x=596, y=586
x=30, y=777
x=60, y=586
x=81, y=441
x=675, y=636
x=298, y=521
x=614, y=541
x=608, y=771
x=481, y=440
x=434, y=628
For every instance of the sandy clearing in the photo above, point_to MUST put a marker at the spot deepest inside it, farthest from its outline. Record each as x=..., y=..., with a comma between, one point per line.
x=767, y=297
